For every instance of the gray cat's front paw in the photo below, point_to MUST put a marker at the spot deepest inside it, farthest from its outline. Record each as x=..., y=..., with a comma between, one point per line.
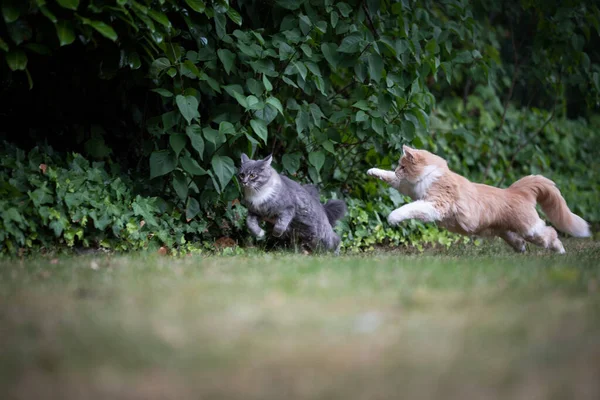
x=278, y=232
x=261, y=234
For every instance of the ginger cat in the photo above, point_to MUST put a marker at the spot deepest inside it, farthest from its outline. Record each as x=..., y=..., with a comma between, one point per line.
x=470, y=208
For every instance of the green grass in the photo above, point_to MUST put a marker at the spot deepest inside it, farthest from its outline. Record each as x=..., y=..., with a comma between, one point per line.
x=464, y=323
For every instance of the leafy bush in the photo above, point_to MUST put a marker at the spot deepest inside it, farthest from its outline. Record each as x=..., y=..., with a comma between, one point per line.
x=46, y=200
x=171, y=92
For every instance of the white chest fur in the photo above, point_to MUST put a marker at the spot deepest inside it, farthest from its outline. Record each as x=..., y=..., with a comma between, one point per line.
x=431, y=173
x=266, y=193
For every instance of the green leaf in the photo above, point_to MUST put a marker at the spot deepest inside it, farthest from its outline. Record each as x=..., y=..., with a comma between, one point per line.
x=301, y=68
x=180, y=184
x=188, y=106
x=48, y=14
x=16, y=60
x=224, y=168
x=234, y=16
x=191, y=166
x=3, y=45
x=158, y=65
x=350, y=44
x=330, y=53
x=65, y=32
x=220, y=25
x=192, y=208
x=105, y=30
x=291, y=162
x=362, y=116
x=177, y=141
x=344, y=8
x=274, y=101
x=194, y=132
x=464, y=57
x=10, y=13
x=260, y=128
x=255, y=87
x=161, y=163
x=227, y=58
x=162, y=92
x=20, y=31
x=422, y=117
x=160, y=18
x=196, y=5
x=334, y=18
x=70, y=4
x=226, y=128
x=317, y=159
x=375, y=66
x=267, y=83
x=362, y=105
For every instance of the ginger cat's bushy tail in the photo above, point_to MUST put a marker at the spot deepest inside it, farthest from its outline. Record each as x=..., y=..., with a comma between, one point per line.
x=547, y=195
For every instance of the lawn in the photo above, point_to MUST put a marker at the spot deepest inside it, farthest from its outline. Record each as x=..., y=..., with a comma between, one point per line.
x=464, y=323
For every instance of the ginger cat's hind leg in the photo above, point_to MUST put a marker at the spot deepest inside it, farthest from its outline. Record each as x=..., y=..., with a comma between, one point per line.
x=514, y=240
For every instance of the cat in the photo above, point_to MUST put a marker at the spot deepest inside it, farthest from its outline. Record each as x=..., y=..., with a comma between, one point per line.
x=468, y=208
x=294, y=209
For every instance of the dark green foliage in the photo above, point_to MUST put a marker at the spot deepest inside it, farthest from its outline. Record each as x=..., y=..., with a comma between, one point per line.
x=174, y=91
x=45, y=200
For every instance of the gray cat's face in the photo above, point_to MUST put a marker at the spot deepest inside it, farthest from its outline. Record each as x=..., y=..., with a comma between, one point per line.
x=254, y=174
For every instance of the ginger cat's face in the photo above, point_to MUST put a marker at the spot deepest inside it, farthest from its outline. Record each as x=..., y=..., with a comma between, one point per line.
x=415, y=164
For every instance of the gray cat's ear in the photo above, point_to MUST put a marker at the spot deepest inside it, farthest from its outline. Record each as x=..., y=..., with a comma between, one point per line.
x=268, y=160
x=244, y=158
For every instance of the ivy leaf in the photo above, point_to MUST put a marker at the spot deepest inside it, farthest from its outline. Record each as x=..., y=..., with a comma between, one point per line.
x=192, y=208
x=104, y=29
x=65, y=32
x=194, y=132
x=162, y=92
x=260, y=128
x=10, y=13
x=226, y=128
x=234, y=16
x=180, y=184
x=344, y=8
x=188, y=106
x=224, y=168
x=227, y=58
x=274, y=101
x=70, y=4
x=16, y=60
x=267, y=83
x=464, y=57
x=291, y=162
x=177, y=142
x=191, y=166
x=301, y=68
x=317, y=159
x=161, y=163
x=350, y=44
x=220, y=25
x=196, y=5
x=375, y=66
x=329, y=51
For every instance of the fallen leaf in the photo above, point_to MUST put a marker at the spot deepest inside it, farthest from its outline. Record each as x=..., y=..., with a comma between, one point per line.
x=54, y=261
x=223, y=242
x=162, y=251
x=142, y=223
x=94, y=265
x=43, y=167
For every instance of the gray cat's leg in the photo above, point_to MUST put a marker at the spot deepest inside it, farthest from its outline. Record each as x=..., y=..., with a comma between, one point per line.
x=253, y=227
x=283, y=221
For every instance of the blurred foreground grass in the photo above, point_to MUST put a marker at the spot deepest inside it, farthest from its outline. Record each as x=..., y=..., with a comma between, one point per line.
x=470, y=322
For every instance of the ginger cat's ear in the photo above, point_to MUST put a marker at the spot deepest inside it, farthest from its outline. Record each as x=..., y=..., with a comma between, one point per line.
x=409, y=152
x=268, y=159
x=245, y=158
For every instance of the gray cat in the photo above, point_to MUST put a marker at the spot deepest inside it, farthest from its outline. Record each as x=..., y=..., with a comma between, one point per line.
x=294, y=209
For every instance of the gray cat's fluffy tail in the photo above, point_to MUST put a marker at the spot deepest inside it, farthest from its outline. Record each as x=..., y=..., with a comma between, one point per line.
x=335, y=210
